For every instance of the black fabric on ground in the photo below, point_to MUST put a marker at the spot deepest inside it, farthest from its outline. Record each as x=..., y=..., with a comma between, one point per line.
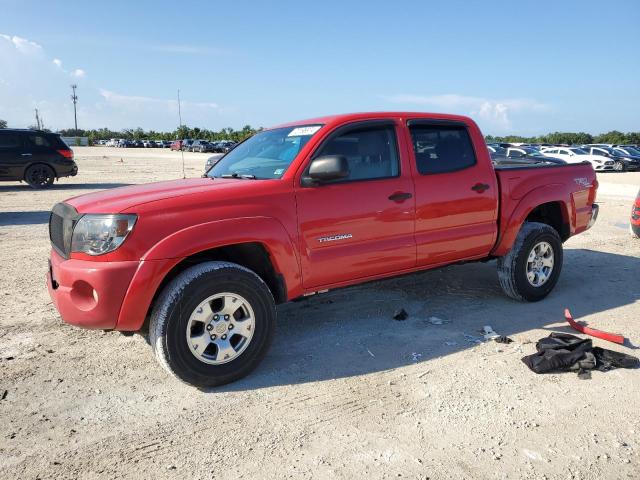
x=563, y=351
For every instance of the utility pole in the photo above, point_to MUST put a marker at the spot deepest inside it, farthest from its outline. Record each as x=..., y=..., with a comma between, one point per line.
x=179, y=109
x=38, y=120
x=74, y=97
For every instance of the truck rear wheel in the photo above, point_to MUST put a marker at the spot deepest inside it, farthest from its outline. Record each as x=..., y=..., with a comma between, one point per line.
x=212, y=324
x=532, y=267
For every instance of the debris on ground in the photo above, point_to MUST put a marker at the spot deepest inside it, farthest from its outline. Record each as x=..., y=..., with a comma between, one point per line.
x=450, y=344
x=436, y=321
x=564, y=352
x=371, y=353
x=400, y=315
x=488, y=332
x=610, y=337
x=502, y=339
x=4, y=394
x=416, y=357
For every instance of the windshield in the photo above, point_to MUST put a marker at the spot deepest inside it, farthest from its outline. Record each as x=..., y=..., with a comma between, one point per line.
x=632, y=151
x=265, y=155
x=579, y=151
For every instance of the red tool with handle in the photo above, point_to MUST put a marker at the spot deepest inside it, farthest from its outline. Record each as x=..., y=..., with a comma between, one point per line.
x=610, y=337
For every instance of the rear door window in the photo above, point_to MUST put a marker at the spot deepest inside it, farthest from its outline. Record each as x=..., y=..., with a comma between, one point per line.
x=441, y=148
x=38, y=141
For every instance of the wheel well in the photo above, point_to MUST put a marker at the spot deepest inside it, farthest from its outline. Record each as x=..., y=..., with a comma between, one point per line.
x=553, y=215
x=253, y=256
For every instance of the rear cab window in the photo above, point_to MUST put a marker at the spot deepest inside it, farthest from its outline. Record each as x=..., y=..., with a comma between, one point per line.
x=441, y=148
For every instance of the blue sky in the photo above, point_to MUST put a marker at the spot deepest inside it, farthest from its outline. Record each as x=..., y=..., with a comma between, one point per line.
x=524, y=67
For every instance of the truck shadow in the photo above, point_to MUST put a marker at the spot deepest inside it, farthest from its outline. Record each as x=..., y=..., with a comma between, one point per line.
x=22, y=187
x=352, y=332
x=24, y=218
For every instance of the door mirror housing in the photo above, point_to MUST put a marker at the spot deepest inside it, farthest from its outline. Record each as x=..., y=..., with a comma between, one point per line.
x=326, y=169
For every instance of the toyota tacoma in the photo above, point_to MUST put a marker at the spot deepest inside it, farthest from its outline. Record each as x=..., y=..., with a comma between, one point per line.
x=200, y=264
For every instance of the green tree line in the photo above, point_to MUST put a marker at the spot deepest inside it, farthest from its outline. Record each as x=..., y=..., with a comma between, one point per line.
x=179, y=133
x=571, y=138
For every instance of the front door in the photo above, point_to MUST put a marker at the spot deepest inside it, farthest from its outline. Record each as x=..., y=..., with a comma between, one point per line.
x=362, y=225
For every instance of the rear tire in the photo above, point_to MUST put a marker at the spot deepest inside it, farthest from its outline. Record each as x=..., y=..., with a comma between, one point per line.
x=532, y=267
x=39, y=176
x=181, y=335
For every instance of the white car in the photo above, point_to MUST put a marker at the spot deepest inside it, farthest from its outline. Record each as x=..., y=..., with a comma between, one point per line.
x=578, y=155
x=113, y=142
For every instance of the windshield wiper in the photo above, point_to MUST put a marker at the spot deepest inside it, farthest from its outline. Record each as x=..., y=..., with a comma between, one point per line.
x=238, y=175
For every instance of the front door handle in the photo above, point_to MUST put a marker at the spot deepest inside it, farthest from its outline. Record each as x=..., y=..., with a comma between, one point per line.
x=400, y=196
x=480, y=187
x=26, y=154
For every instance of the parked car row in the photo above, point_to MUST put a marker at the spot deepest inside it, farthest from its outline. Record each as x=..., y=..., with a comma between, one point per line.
x=603, y=157
x=202, y=146
x=124, y=143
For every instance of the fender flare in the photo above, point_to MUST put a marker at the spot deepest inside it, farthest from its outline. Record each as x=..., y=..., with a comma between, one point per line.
x=171, y=250
x=552, y=193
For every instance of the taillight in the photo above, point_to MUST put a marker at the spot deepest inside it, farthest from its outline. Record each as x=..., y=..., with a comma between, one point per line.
x=66, y=152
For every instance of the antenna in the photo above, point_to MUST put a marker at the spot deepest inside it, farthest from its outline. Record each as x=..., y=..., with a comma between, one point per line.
x=74, y=98
x=181, y=149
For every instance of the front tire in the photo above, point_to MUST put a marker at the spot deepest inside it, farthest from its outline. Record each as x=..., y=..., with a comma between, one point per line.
x=532, y=267
x=619, y=166
x=212, y=324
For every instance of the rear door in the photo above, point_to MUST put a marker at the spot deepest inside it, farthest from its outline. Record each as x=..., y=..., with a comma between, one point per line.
x=362, y=225
x=40, y=148
x=12, y=160
x=456, y=192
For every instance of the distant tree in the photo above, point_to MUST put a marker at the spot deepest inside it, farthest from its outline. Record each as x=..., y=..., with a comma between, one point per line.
x=3, y=124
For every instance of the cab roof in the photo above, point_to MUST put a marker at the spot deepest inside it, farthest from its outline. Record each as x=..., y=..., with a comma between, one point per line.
x=351, y=117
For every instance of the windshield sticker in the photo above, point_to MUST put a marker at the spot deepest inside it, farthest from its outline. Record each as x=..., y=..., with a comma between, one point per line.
x=279, y=171
x=302, y=131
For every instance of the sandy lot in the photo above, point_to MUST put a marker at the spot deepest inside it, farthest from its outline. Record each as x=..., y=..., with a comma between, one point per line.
x=345, y=392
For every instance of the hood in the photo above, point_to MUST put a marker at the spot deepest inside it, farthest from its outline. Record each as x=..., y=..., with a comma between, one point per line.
x=119, y=199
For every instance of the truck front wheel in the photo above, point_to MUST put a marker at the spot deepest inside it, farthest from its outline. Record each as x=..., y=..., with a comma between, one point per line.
x=212, y=324
x=532, y=267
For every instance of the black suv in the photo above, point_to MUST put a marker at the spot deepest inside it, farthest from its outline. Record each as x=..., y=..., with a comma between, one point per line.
x=35, y=157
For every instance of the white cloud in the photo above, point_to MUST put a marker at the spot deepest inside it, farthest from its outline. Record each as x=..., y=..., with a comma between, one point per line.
x=57, y=62
x=78, y=73
x=22, y=44
x=495, y=113
x=121, y=99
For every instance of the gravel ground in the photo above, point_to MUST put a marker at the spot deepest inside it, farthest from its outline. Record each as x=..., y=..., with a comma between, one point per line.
x=345, y=392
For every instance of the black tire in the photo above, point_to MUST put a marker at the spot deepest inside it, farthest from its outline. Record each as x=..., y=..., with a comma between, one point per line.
x=619, y=166
x=170, y=318
x=512, y=268
x=39, y=175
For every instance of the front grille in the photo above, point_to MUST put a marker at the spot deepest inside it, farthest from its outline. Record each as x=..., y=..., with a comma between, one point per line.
x=56, y=232
x=61, y=222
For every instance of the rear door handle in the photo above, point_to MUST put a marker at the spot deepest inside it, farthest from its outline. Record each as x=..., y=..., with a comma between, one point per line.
x=480, y=187
x=400, y=196
x=27, y=154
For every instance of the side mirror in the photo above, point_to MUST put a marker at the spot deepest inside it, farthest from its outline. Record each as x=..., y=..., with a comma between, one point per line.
x=325, y=169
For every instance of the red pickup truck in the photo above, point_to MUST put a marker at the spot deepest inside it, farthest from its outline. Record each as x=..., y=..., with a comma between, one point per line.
x=300, y=209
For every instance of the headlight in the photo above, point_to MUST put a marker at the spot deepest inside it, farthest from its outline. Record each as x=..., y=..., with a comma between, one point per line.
x=100, y=234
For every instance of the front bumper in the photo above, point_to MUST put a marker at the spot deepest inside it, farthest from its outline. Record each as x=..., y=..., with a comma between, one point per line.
x=595, y=209
x=89, y=294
